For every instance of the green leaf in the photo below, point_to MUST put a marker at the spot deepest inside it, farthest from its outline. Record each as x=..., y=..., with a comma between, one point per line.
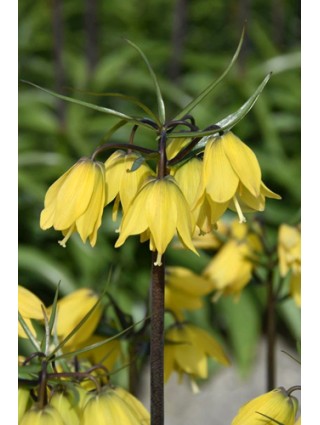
x=132, y=99
x=242, y=320
x=39, y=263
x=226, y=123
x=96, y=344
x=161, y=107
x=89, y=105
x=211, y=86
x=30, y=335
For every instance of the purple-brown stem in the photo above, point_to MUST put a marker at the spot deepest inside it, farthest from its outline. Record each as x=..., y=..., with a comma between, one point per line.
x=157, y=343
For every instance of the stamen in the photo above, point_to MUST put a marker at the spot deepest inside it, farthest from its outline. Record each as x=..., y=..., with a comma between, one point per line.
x=67, y=236
x=158, y=262
x=242, y=218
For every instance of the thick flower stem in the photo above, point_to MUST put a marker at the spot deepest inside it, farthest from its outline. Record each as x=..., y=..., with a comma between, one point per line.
x=271, y=334
x=157, y=343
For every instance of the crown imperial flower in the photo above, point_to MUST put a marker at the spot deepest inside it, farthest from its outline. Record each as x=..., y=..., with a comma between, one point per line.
x=186, y=350
x=71, y=309
x=75, y=202
x=114, y=406
x=122, y=183
x=161, y=210
x=29, y=306
x=268, y=409
x=231, y=178
x=49, y=415
x=289, y=252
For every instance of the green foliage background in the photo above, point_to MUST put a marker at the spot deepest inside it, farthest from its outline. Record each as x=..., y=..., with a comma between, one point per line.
x=72, y=47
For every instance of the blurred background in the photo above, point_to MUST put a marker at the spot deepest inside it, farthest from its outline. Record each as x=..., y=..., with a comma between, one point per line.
x=78, y=48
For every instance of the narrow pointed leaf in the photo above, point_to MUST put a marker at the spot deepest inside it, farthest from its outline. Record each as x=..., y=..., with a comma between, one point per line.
x=161, y=107
x=132, y=99
x=89, y=105
x=214, y=84
x=97, y=344
x=226, y=123
x=30, y=335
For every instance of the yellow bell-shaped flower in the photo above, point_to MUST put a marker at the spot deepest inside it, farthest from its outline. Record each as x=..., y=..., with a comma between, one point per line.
x=75, y=202
x=66, y=404
x=161, y=210
x=184, y=290
x=122, y=183
x=240, y=251
x=273, y=407
x=29, y=306
x=187, y=349
x=231, y=178
x=71, y=309
x=289, y=252
x=113, y=407
x=47, y=416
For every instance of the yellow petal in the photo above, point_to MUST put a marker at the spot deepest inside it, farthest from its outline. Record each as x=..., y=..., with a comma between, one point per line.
x=75, y=194
x=243, y=161
x=219, y=177
x=29, y=305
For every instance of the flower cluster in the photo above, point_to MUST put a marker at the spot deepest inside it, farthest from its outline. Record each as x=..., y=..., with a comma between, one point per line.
x=78, y=391
x=73, y=405
x=195, y=193
x=77, y=316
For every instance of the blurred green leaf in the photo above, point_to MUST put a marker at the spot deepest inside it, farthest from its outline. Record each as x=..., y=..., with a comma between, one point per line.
x=243, y=325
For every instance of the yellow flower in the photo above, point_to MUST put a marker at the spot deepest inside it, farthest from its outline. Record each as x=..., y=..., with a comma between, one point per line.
x=289, y=252
x=183, y=290
x=275, y=404
x=113, y=407
x=159, y=210
x=231, y=178
x=188, y=177
x=298, y=421
x=175, y=145
x=46, y=416
x=75, y=202
x=29, y=306
x=24, y=401
x=66, y=404
x=123, y=184
x=187, y=349
x=71, y=309
x=237, y=251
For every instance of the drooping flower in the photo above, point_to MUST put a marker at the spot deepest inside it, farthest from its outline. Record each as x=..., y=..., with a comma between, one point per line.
x=29, y=306
x=159, y=210
x=66, y=403
x=238, y=251
x=24, y=401
x=122, y=183
x=268, y=409
x=289, y=252
x=75, y=202
x=184, y=290
x=47, y=416
x=188, y=177
x=71, y=309
x=113, y=406
x=186, y=351
x=231, y=178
